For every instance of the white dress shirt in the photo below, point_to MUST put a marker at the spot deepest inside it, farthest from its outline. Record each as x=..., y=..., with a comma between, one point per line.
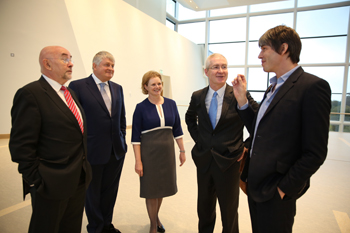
x=98, y=81
x=57, y=87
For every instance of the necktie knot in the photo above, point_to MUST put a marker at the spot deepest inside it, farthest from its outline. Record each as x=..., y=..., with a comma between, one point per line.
x=63, y=88
x=102, y=85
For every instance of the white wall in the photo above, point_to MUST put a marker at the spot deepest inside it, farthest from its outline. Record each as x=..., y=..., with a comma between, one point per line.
x=154, y=8
x=138, y=42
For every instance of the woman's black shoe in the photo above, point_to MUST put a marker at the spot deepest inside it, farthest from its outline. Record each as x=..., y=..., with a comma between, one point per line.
x=160, y=228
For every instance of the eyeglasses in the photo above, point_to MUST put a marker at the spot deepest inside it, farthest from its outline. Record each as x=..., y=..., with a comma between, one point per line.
x=65, y=60
x=224, y=67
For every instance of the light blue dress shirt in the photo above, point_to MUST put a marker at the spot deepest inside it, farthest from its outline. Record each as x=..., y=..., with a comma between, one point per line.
x=276, y=84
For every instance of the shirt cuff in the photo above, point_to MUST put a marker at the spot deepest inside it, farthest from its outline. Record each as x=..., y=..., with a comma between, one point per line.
x=244, y=107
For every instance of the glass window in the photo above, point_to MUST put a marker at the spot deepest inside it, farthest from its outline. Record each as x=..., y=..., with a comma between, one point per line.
x=253, y=53
x=229, y=11
x=325, y=22
x=170, y=7
x=323, y=50
x=347, y=107
x=257, y=96
x=272, y=6
x=227, y=30
x=336, y=104
x=185, y=13
x=334, y=75
x=170, y=25
x=346, y=128
x=232, y=74
x=234, y=52
x=302, y=3
x=257, y=79
x=260, y=24
x=334, y=128
x=193, y=31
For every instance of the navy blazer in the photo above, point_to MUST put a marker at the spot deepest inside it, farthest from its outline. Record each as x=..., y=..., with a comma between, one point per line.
x=291, y=139
x=106, y=133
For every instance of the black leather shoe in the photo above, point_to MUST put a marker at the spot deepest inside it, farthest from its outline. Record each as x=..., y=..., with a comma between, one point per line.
x=110, y=229
x=160, y=228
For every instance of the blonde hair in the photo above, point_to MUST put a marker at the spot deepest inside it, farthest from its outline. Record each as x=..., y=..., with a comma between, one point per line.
x=146, y=77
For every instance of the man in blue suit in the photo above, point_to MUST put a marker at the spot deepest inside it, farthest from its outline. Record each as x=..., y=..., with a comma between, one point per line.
x=103, y=103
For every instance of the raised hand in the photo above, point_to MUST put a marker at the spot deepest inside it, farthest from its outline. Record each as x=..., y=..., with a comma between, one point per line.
x=239, y=85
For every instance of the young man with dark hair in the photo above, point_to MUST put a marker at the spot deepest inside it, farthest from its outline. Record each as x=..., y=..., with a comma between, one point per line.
x=289, y=133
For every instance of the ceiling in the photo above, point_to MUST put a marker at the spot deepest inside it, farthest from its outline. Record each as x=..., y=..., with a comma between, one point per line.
x=200, y=5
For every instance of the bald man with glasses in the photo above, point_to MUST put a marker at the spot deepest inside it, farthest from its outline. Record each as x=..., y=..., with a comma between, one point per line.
x=48, y=141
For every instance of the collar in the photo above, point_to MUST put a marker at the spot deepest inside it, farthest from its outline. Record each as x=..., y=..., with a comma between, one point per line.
x=221, y=91
x=55, y=85
x=283, y=78
x=97, y=80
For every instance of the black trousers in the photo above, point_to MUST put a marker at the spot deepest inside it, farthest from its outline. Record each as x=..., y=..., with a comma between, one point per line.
x=102, y=193
x=57, y=216
x=273, y=216
x=216, y=185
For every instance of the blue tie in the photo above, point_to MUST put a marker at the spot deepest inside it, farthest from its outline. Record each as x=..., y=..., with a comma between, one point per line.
x=213, y=109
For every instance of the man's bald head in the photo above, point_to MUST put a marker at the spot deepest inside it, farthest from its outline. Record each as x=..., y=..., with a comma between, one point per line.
x=55, y=63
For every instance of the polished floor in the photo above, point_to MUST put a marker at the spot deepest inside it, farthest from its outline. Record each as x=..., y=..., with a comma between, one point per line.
x=325, y=208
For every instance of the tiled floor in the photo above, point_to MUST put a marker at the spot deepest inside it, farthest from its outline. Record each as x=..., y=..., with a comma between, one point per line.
x=325, y=208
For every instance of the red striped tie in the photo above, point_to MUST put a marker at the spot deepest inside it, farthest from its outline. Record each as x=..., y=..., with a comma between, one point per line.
x=72, y=107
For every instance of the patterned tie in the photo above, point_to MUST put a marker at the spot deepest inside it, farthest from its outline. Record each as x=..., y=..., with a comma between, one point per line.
x=105, y=97
x=213, y=109
x=72, y=107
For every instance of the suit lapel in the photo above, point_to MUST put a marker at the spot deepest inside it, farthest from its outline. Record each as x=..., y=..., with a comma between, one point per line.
x=91, y=85
x=227, y=102
x=80, y=108
x=114, y=97
x=285, y=88
x=59, y=102
x=203, y=107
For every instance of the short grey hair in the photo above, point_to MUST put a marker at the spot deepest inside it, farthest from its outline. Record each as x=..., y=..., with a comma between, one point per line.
x=102, y=55
x=207, y=62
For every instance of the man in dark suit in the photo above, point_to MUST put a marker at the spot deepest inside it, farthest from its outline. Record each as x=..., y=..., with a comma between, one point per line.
x=218, y=148
x=103, y=103
x=290, y=133
x=48, y=141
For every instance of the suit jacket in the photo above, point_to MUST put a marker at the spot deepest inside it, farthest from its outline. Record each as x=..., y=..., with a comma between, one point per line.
x=46, y=141
x=291, y=139
x=106, y=133
x=225, y=142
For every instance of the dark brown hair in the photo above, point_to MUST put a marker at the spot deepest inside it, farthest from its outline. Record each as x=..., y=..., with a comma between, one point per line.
x=276, y=36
